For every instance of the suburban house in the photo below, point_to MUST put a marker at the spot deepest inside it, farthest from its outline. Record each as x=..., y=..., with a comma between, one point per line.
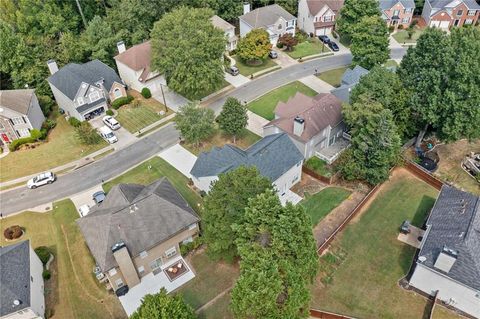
x=134, y=236
x=273, y=18
x=318, y=17
x=84, y=90
x=349, y=79
x=21, y=282
x=314, y=124
x=229, y=31
x=397, y=12
x=447, y=13
x=275, y=157
x=448, y=263
x=19, y=114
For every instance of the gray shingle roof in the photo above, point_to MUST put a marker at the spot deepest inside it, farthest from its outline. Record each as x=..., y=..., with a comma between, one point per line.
x=273, y=155
x=352, y=76
x=69, y=78
x=17, y=100
x=140, y=216
x=14, y=277
x=265, y=16
x=454, y=223
x=343, y=92
x=388, y=4
x=440, y=4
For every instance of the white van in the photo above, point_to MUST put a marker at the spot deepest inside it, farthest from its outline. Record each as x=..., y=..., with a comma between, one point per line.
x=107, y=134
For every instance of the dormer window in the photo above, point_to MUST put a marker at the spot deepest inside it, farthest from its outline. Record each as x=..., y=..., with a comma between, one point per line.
x=80, y=100
x=279, y=26
x=94, y=96
x=117, y=92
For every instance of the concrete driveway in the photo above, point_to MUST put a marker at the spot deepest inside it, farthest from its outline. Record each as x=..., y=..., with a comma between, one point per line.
x=256, y=123
x=284, y=60
x=180, y=158
x=316, y=84
x=237, y=80
x=173, y=100
x=85, y=198
x=124, y=137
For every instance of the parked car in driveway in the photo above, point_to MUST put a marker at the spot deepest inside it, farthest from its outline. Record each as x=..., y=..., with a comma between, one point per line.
x=84, y=210
x=233, y=70
x=324, y=38
x=107, y=135
x=273, y=54
x=98, y=197
x=333, y=46
x=41, y=179
x=111, y=122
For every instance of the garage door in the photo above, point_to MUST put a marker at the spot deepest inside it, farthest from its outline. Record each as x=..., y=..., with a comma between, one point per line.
x=323, y=31
x=435, y=23
x=444, y=24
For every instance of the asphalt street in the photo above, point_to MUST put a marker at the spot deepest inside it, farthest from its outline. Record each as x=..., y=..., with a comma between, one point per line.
x=20, y=199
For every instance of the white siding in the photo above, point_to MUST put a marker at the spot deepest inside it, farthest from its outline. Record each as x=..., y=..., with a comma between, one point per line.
x=427, y=9
x=244, y=28
x=37, y=299
x=26, y=313
x=289, y=178
x=65, y=103
x=305, y=21
x=130, y=77
x=204, y=183
x=429, y=281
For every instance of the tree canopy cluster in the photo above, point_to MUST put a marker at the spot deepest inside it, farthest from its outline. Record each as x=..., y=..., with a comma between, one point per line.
x=163, y=306
x=254, y=46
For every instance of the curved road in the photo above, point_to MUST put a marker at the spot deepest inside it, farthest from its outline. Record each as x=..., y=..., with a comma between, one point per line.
x=20, y=199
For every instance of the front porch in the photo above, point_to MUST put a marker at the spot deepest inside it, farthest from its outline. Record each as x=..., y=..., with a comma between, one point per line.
x=154, y=281
x=331, y=153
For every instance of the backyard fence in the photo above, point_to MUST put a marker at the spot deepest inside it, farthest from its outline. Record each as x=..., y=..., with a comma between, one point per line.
x=327, y=315
x=424, y=175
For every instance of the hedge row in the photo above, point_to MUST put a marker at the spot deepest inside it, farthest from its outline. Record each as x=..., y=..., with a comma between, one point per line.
x=35, y=135
x=121, y=101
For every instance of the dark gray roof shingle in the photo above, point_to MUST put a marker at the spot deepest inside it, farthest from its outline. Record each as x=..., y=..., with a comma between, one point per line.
x=69, y=78
x=352, y=76
x=140, y=216
x=14, y=277
x=273, y=155
x=454, y=223
x=265, y=16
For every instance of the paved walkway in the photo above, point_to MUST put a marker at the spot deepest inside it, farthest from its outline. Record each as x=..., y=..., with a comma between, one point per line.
x=256, y=123
x=394, y=43
x=180, y=158
x=237, y=80
x=5, y=151
x=316, y=84
x=284, y=60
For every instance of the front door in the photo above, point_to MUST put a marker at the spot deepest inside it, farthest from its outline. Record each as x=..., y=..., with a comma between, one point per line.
x=456, y=23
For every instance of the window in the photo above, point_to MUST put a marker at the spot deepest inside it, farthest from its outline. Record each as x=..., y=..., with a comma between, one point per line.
x=478, y=294
x=143, y=254
x=119, y=283
x=405, y=20
x=171, y=252
x=408, y=10
x=459, y=12
x=24, y=132
x=396, y=13
x=192, y=226
x=141, y=270
x=156, y=264
x=94, y=96
x=471, y=12
x=80, y=101
x=117, y=92
x=17, y=120
x=112, y=272
x=327, y=18
x=279, y=27
x=31, y=278
x=468, y=21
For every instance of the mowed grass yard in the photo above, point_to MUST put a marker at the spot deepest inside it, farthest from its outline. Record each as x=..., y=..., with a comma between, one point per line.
x=308, y=47
x=62, y=147
x=322, y=203
x=159, y=168
x=359, y=274
x=147, y=112
x=333, y=77
x=402, y=36
x=72, y=291
x=265, y=105
x=247, y=70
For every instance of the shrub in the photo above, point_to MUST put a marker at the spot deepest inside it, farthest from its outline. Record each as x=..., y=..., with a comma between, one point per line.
x=279, y=45
x=146, y=93
x=301, y=35
x=35, y=135
x=335, y=35
x=87, y=134
x=414, y=23
x=43, y=253
x=13, y=232
x=44, y=132
x=109, y=112
x=188, y=247
x=49, y=124
x=233, y=52
x=46, y=104
x=46, y=274
x=73, y=121
x=391, y=28
x=121, y=101
x=400, y=27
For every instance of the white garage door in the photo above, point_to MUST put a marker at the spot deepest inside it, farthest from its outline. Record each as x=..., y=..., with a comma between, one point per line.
x=444, y=24
x=323, y=31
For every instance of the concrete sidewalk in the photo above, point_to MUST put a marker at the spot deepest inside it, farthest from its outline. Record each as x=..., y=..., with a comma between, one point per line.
x=284, y=60
x=316, y=84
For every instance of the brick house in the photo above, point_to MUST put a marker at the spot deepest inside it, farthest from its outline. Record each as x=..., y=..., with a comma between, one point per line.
x=445, y=14
x=318, y=16
x=397, y=12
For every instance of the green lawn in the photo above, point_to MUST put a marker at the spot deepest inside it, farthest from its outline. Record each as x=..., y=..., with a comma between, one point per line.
x=144, y=175
x=359, y=274
x=318, y=166
x=402, y=36
x=247, y=70
x=218, y=139
x=211, y=278
x=333, y=77
x=146, y=113
x=62, y=147
x=322, y=203
x=72, y=291
x=306, y=48
x=265, y=105
x=219, y=310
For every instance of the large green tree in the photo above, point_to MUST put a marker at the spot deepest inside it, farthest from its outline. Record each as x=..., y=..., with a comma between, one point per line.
x=370, y=42
x=375, y=145
x=254, y=47
x=163, y=306
x=99, y=41
x=225, y=205
x=195, y=123
x=278, y=260
x=188, y=50
x=384, y=86
x=233, y=118
x=352, y=13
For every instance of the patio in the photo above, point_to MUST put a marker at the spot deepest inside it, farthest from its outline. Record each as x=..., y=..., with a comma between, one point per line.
x=291, y=197
x=151, y=284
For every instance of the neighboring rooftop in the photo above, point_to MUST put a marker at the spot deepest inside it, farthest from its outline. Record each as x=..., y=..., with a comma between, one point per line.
x=140, y=216
x=454, y=233
x=388, y=4
x=273, y=155
x=138, y=58
x=318, y=112
x=266, y=16
x=14, y=277
x=220, y=23
x=441, y=4
x=69, y=78
x=352, y=76
x=17, y=100
x=314, y=6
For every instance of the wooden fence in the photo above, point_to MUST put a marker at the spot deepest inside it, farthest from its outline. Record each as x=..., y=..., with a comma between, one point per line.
x=327, y=315
x=424, y=175
x=323, y=179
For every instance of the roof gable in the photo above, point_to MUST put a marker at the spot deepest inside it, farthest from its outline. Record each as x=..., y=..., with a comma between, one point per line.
x=17, y=100
x=266, y=16
x=315, y=6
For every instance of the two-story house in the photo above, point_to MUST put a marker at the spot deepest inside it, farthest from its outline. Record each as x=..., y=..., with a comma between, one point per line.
x=318, y=17
x=19, y=114
x=229, y=31
x=21, y=283
x=314, y=125
x=134, y=236
x=273, y=18
x=444, y=14
x=397, y=12
x=84, y=90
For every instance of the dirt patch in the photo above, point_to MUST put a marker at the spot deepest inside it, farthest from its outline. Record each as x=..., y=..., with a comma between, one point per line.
x=51, y=290
x=308, y=184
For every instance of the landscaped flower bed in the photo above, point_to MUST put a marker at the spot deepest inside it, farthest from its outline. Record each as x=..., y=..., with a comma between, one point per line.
x=13, y=232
